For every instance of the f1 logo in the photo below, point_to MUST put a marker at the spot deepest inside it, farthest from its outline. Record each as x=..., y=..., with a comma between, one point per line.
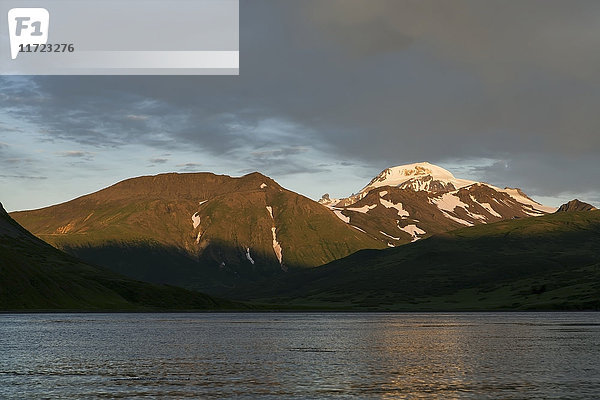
x=27, y=26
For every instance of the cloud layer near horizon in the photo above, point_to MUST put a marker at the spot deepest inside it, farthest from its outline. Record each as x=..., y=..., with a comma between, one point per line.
x=332, y=92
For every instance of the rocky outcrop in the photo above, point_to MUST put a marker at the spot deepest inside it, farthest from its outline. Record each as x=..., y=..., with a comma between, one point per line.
x=575, y=205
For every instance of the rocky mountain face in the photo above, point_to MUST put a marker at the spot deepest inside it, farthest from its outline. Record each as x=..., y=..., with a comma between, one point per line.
x=201, y=231
x=410, y=202
x=575, y=205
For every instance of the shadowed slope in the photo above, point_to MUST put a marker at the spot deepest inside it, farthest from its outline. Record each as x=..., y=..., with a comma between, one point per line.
x=36, y=276
x=549, y=262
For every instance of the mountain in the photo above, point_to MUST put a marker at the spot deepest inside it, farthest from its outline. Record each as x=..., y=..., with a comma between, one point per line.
x=200, y=231
x=548, y=262
x=36, y=276
x=410, y=202
x=575, y=205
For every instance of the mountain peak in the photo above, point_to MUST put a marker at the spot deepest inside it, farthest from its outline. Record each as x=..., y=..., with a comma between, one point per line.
x=418, y=176
x=575, y=205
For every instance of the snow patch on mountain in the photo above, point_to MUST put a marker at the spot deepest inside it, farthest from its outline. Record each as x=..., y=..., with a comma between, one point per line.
x=363, y=209
x=390, y=236
x=455, y=219
x=202, y=202
x=263, y=185
x=413, y=230
x=276, y=246
x=196, y=220
x=248, y=256
x=534, y=213
x=519, y=196
x=398, y=206
x=487, y=207
x=383, y=193
x=396, y=176
x=357, y=228
x=341, y=216
x=449, y=202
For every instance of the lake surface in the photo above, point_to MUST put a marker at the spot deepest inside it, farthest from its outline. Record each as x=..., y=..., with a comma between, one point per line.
x=301, y=355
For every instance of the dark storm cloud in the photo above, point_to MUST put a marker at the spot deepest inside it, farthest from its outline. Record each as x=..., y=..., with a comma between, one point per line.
x=378, y=82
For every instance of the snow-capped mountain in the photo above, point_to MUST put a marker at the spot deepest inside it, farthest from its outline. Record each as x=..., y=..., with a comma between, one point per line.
x=408, y=202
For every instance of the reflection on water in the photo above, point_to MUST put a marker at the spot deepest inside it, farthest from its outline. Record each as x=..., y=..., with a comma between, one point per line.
x=434, y=356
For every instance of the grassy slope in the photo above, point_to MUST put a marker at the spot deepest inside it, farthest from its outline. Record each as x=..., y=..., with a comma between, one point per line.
x=36, y=276
x=550, y=262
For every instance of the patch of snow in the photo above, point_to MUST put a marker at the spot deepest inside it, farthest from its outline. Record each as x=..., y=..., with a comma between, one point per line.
x=514, y=193
x=534, y=213
x=341, y=216
x=276, y=246
x=263, y=185
x=460, y=221
x=390, y=236
x=398, y=206
x=487, y=207
x=383, y=193
x=413, y=230
x=198, y=237
x=222, y=265
x=480, y=217
x=270, y=210
x=196, y=220
x=448, y=202
x=202, y=202
x=391, y=245
x=363, y=209
x=356, y=227
x=248, y=256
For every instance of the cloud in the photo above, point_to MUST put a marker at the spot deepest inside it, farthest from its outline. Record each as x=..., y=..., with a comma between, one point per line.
x=159, y=160
x=133, y=117
x=368, y=83
x=76, y=154
x=189, y=167
x=27, y=177
x=279, y=153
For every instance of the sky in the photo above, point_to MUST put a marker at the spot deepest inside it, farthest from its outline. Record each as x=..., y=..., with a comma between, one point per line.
x=329, y=94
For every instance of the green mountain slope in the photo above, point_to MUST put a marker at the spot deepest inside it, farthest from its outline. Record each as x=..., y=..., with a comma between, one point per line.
x=549, y=262
x=201, y=231
x=36, y=276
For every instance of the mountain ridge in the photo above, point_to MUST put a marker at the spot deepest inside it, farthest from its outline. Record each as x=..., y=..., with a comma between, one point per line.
x=219, y=229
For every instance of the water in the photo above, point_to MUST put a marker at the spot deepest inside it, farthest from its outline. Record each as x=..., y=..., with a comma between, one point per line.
x=307, y=355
